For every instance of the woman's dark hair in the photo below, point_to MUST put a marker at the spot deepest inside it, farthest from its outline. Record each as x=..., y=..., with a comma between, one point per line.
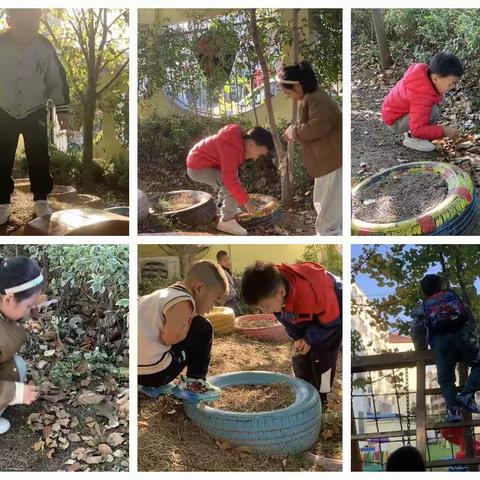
x=261, y=136
x=445, y=64
x=431, y=284
x=17, y=271
x=301, y=72
x=259, y=281
x=405, y=459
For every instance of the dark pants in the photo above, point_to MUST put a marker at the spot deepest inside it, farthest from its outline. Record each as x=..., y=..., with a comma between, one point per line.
x=450, y=349
x=194, y=353
x=318, y=362
x=35, y=137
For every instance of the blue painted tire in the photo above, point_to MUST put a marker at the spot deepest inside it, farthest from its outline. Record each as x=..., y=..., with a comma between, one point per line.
x=288, y=431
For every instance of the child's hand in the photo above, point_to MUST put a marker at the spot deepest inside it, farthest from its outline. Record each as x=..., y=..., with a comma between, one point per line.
x=451, y=132
x=301, y=346
x=288, y=134
x=63, y=120
x=249, y=207
x=30, y=393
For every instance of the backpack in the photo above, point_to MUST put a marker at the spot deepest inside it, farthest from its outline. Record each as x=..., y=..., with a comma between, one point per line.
x=444, y=312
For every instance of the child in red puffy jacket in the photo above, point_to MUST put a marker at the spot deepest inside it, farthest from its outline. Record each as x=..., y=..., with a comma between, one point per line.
x=215, y=161
x=412, y=106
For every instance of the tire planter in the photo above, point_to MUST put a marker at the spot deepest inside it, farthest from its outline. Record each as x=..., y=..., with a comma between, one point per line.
x=202, y=212
x=64, y=193
x=222, y=320
x=86, y=200
x=268, y=215
x=455, y=215
x=271, y=333
x=288, y=431
x=124, y=211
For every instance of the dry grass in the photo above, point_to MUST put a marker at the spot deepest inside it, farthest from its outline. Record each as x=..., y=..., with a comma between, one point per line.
x=255, y=398
x=169, y=441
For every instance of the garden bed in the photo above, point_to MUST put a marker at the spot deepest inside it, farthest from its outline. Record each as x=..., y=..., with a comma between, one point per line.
x=255, y=398
x=399, y=197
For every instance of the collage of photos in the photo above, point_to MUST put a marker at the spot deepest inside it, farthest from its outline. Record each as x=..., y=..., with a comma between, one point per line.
x=127, y=349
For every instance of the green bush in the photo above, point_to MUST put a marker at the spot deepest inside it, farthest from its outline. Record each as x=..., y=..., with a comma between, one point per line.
x=168, y=139
x=66, y=167
x=113, y=171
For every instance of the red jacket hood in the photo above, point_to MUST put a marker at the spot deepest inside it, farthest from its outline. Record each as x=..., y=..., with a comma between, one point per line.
x=224, y=151
x=312, y=292
x=414, y=95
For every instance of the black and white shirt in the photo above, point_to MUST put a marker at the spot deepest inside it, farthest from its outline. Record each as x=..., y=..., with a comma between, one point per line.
x=30, y=75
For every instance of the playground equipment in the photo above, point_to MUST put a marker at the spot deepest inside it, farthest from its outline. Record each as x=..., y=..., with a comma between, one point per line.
x=287, y=431
x=455, y=215
x=455, y=435
x=405, y=360
x=78, y=222
x=270, y=330
x=222, y=320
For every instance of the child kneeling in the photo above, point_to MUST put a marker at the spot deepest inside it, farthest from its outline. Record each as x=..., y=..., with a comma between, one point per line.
x=172, y=332
x=412, y=107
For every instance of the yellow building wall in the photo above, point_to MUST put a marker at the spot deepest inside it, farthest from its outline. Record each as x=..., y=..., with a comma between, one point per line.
x=108, y=146
x=163, y=105
x=241, y=255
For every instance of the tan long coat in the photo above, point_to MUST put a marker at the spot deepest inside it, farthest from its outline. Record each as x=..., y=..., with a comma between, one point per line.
x=12, y=337
x=319, y=132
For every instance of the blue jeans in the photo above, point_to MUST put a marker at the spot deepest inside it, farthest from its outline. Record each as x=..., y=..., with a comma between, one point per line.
x=450, y=349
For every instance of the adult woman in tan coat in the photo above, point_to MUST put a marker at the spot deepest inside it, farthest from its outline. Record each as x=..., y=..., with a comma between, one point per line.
x=319, y=133
x=20, y=286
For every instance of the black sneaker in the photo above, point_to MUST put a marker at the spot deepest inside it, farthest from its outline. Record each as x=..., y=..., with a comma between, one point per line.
x=467, y=402
x=453, y=416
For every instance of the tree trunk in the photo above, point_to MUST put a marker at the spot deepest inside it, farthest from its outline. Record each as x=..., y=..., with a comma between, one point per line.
x=88, y=123
x=285, y=175
x=382, y=41
x=295, y=50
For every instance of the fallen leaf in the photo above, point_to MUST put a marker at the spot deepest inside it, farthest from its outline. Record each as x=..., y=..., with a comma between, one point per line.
x=115, y=439
x=94, y=459
x=74, y=437
x=90, y=398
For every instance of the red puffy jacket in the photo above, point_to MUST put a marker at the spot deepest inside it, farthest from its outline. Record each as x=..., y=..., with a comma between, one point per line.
x=224, y=151
x=414, y=95
x=312, y=293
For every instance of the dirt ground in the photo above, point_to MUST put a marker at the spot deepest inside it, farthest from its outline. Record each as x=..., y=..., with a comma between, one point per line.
x=262, y=177
x=169, y=441
x=22, y=209
x=375, y=147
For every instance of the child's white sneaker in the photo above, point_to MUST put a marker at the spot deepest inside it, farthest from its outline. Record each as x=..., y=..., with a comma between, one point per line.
x=4, y=425
x=5, y=212
x=41, y=208
x=231, y=227
x=419, y=144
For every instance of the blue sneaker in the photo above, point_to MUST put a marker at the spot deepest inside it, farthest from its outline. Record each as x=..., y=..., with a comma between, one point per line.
x=467, y=402
x=155, y=392
x=453, y=416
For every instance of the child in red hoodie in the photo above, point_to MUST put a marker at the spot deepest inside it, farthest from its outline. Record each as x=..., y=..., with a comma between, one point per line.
x=215, y=161
x=307, y=300
x=412, y=106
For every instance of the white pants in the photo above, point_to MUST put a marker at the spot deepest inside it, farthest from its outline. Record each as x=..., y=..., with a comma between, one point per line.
x=327, y=200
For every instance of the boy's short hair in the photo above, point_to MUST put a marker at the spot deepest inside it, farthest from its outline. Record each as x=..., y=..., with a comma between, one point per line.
x=405, y=459
x=260, y=280
x=445, y=64
x=431, y=284
x=261, y=136
x=208, y=272
x=37, y=12
x=221, y=254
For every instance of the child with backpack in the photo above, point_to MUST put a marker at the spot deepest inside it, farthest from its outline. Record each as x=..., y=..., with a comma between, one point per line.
x=307, y=300
x=449, y=325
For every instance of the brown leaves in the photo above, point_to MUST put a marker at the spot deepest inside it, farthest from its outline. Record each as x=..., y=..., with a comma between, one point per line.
x=90, y=398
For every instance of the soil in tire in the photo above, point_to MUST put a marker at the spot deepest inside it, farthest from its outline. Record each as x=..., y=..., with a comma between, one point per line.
x=255, y=398
x=397, y=198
